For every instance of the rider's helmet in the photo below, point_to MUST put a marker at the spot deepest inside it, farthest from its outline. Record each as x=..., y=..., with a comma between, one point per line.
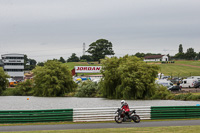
x=122, y=102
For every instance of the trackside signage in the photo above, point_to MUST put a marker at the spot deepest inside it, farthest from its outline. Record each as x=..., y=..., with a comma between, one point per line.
x=87, y=69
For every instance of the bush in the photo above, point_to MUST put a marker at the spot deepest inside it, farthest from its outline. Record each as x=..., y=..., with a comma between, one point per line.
x=83, y=60
x=162, y=93
x=24, y=88
x=3, y=81
x=87, y=89
x=9, y=92
x=53, y=79
x=184, y=97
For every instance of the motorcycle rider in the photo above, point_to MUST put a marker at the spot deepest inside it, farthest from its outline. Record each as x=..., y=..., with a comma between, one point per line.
x=125, y=108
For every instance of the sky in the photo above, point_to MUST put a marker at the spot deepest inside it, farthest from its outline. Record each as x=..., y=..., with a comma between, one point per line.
x=47, y=29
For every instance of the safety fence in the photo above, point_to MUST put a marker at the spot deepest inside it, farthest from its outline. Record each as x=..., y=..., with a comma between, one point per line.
x=97, y=114
x=27, y=116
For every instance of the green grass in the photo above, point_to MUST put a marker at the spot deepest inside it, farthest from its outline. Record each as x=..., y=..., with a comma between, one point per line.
x=194, y=63
x=171, y=129
x=179, y=70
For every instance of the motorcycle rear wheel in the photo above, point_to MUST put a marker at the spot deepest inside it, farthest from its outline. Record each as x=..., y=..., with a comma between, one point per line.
x=136, y=118
x=117, y=119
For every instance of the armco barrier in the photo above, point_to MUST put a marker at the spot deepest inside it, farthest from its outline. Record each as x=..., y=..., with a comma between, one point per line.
x=175, y=112
x=26, y=116
x=97, y=114
x=106, y=113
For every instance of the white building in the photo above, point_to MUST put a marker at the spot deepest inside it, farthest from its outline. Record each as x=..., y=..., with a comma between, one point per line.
x=14, y=65
x=156, y=58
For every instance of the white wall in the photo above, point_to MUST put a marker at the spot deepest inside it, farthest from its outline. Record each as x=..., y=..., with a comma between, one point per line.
x=165, y=58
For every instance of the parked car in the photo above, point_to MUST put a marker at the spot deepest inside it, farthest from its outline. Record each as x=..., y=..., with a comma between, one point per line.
x=165, y=83
x=197, y=84
x=176, y=80
x=175, y=88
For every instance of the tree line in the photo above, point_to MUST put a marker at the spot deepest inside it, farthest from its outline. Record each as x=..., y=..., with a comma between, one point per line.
x=126, y=77
x=190, y=54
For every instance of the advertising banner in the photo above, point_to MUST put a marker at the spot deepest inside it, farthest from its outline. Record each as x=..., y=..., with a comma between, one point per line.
x=87, y=69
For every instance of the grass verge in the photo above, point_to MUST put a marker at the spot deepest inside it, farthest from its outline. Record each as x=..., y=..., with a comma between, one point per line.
x=171, y=129
x=66, y=122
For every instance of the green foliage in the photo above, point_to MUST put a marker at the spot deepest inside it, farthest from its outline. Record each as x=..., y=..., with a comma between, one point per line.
x=198, y=56
x=53, y=79
x=180, y=50
x=87, y=89
x=100, y=49
x=83, y=60
x=40, y=64
x=190, y=54
x=87, y=58
x=24, y=88
x=73, y=58
x=29, y=63
x=9, y=92
x=140, y=55
x=62, y=60
x=188, y=96
x=162, y=93
x=180, y=56
x=128, y=78
x=3, y=81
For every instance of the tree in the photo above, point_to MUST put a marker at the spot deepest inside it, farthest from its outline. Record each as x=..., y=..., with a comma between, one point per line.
x=73, y=58
x=180, y=54
x=100, y=49
x=190, y=54
x=86, y=57
x=53, y=79
x=29, y=63
x=140, y=55
x=128, y=78
x=40, y=64
x=62, y=60
x=198, y=56
x=180, y=50
x=3, y=81
x=24, y=88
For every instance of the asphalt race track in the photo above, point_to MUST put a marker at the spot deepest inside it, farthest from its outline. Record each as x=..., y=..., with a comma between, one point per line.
x=100, y=125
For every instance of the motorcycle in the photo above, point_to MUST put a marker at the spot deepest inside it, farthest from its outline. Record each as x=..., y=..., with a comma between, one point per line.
x=122, y=117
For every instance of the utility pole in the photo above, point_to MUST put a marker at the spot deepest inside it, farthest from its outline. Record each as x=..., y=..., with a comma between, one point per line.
x=83, y=48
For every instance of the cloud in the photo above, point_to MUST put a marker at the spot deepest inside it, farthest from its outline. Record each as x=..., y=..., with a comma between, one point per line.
x=64, y=25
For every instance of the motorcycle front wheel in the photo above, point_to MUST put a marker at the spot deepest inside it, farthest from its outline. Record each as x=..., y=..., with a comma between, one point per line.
x=136, y=118
x=117, y=119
